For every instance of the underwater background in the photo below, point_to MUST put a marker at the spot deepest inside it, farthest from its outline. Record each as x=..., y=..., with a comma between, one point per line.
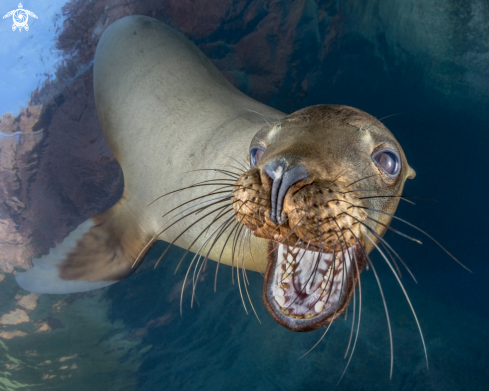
x=423, y=65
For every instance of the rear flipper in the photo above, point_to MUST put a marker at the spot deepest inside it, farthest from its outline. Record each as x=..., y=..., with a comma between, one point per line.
x=98, y=253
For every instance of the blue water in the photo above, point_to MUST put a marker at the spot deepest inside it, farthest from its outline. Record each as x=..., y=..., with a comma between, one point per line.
x=29, y=58
x=131, y=335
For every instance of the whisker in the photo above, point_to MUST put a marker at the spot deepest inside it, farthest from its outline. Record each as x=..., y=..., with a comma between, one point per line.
x=337, y=176
x=313, y=273
x=237, y=273
x=227, y=223
x=391, y=115
x=198, y=210
x=315, y=270
x=256, y=112
x=232, y=174
x=344, y=257
x=317, y=343
x=384, y=242
x=388, y=116
x=406, y=295
x=233, y=247
x=159, y=232
x=419, y=229
x=227, y=182
x=238, y=168
x=237, y=161
x=233, y=257
x=411, y=225
x=236, y=174
x=359, y=312
x=221, y=208
x=186, y=229
x=155, y=236
x=354, y=294
x=361, y=179
x=385, y=308
x=251, y=254
x=189, y=268
x=404, y=198
x=395, y=230
x=244, y=274
x=352, y=323
x=236, y=225
x=227, y=195
x=222, y=226
x=248, y=232
x=391, y=257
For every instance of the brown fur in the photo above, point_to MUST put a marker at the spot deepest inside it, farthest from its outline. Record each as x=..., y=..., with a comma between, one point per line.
x=108, y=250
x=310, y=205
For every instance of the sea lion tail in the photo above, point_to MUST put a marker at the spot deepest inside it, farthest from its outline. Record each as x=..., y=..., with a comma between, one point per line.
x=98, y=253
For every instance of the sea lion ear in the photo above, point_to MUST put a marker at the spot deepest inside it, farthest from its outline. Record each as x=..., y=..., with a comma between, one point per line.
x=411, y=173
x=98, y=253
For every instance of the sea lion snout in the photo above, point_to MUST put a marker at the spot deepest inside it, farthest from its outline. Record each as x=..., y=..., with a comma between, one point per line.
x=283, y=177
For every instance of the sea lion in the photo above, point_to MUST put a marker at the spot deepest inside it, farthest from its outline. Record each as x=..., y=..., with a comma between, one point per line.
x=320, y=193
x=323, y=185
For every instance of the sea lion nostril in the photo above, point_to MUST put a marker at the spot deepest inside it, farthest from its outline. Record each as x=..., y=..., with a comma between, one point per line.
x=283, y=177
x=275, y=171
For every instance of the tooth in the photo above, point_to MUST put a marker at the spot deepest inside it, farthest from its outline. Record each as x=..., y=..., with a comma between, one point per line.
x=285, y=311
x=287, y=278
x=279, y=292
x=285, y=286
x=290, y=258
x=309, y=315
x=318, y=307
x=288, y=266
x=280, y=300
x=324, y=284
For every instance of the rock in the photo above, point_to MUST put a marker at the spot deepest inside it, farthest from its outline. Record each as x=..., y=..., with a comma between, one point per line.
x=12, y=334
x=29, y=301
x=15, y=317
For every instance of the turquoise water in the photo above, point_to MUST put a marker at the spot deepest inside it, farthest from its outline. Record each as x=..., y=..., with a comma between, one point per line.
x=131, y=336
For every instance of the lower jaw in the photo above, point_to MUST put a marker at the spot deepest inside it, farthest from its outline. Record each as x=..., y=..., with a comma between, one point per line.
x=312, y=314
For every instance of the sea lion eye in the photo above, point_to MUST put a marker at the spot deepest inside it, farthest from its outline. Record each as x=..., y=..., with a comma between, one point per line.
x=255, y=155
x=388, y=160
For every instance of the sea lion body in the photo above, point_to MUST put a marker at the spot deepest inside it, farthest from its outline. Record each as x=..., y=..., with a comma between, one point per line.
x=178, y=127
x=165, y=110
x=156, y=118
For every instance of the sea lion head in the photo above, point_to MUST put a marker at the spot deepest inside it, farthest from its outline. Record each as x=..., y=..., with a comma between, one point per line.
x=322, y=186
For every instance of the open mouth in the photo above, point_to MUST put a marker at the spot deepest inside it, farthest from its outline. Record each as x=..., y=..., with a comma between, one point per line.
x=305, y=290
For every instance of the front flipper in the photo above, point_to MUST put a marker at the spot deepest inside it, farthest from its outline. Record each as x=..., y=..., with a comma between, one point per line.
x=98, y=253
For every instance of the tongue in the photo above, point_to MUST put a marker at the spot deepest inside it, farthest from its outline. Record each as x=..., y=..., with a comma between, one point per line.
x=310, y=271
